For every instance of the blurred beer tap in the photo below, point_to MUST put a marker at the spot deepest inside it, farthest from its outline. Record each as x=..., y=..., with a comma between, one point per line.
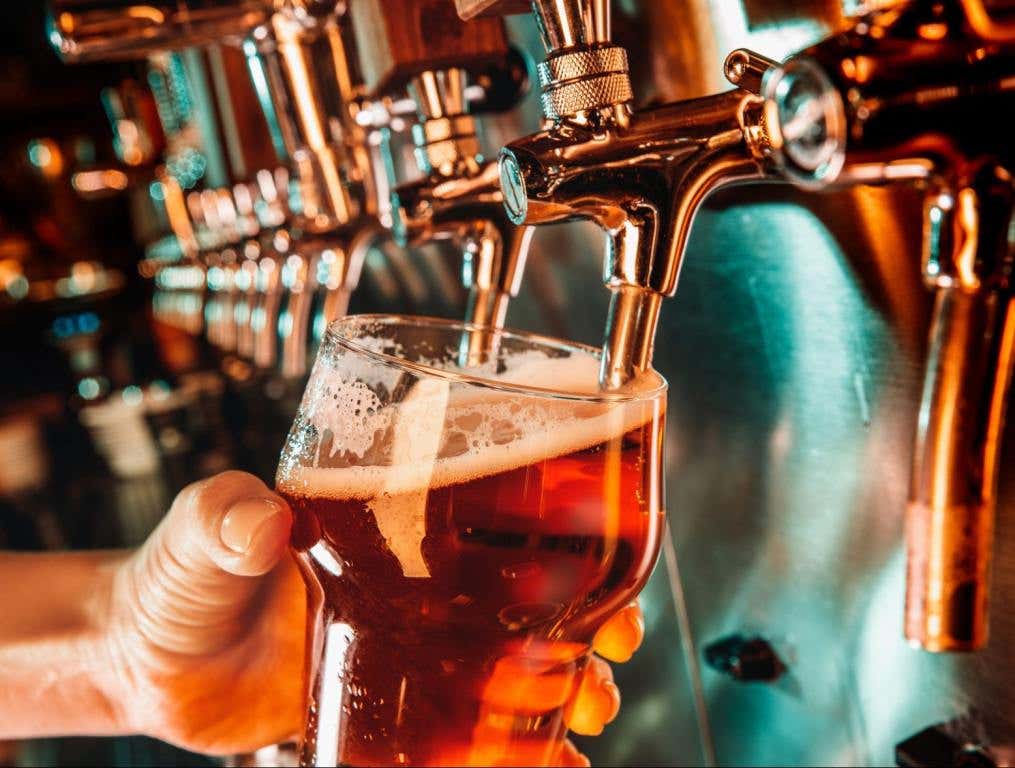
x=305, y=60
x=304, y=67
x=425, y=50
x=297, y=62
x=84, y=30
x=459, y=198
x=916, y=94
x=640, y=174
x=293, y=71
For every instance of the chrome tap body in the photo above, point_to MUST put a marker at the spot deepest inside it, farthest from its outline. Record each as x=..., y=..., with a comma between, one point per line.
x=642, y=177
x=459, y=199
x=640, y=174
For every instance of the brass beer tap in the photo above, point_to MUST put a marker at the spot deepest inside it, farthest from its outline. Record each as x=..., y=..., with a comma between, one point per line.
x=459, y=199
x=305, y=59
x=916, y=93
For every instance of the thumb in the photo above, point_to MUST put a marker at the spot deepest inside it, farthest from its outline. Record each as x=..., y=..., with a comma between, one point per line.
x=193, y=580
x=231, y=523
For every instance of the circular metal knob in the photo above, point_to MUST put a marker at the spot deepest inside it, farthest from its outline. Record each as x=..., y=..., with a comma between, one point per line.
x=513, y=187
x=806, y=120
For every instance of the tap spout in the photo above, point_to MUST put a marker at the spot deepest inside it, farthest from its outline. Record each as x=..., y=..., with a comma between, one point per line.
x=458, y=197
x=467, y=208
x=643, y=182
x=952, y=500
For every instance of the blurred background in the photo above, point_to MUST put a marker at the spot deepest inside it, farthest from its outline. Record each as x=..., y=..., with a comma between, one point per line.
x=795, y=351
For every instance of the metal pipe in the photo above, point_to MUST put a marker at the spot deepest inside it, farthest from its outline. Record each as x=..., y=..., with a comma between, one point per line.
x=87, y=30
x=950, y=517
x=950, y=521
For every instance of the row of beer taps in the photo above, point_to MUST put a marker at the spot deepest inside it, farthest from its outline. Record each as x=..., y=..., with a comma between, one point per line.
x=914, y=91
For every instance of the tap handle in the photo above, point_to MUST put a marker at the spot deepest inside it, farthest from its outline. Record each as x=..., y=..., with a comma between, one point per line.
x=245, y=131
x=398, y=40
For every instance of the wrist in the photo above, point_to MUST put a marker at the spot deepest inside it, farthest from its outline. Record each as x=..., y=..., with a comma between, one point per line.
x=102, y=642
x=56, y=659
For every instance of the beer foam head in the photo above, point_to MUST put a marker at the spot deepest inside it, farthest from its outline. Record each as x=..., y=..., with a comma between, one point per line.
x=443, y=431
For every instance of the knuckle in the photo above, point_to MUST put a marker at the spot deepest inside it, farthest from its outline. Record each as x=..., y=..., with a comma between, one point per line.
x=600, y=669
x=210, y=492
x=186, y=496
x=235, y=477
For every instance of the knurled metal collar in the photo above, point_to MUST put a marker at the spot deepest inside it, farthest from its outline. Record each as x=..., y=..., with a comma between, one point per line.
x=582, y=80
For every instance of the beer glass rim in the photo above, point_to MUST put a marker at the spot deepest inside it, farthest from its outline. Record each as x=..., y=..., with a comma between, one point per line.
x=337, y=333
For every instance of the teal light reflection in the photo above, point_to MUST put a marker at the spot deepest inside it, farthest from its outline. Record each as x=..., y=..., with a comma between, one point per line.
x=259, y=77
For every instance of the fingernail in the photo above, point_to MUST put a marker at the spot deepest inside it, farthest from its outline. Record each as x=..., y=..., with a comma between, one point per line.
x=243, y=520
x=612, y=693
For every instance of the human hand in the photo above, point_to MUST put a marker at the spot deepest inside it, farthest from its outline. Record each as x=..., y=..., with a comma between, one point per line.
x=597, y=700
x=207, y=623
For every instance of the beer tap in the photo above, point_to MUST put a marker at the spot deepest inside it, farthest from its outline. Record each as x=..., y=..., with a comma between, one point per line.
x=458, y=196
x=916, y=94
x=229, y=207
x=912, y=92
x=304, y=58
x=426, y=51
x=640, y=174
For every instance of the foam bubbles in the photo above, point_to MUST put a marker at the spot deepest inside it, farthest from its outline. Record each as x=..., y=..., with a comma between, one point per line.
x=347, y=408
x=442, y=433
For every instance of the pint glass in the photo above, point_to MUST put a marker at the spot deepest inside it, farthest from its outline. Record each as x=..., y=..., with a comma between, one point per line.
x=463, y=533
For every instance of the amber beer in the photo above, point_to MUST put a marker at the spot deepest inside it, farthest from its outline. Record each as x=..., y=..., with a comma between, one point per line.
x=454, y=600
